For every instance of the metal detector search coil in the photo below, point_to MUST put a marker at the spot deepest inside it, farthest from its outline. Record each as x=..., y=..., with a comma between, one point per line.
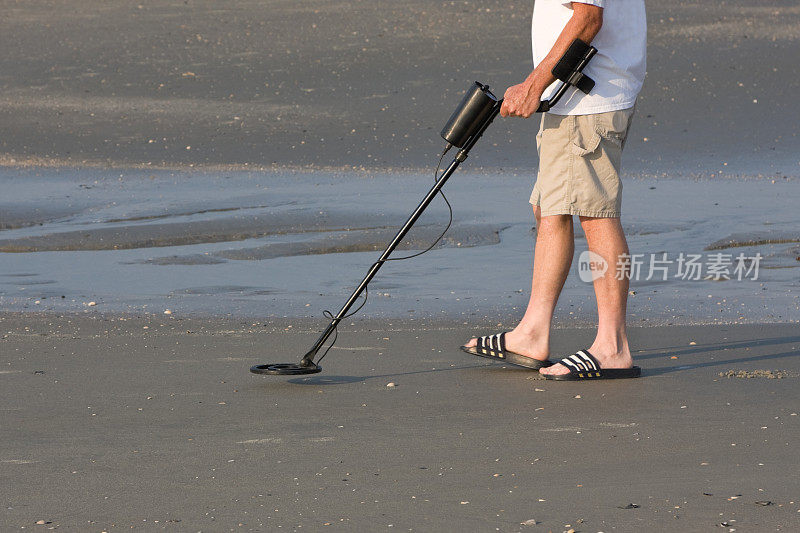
x=286, y=369
x=466, y=125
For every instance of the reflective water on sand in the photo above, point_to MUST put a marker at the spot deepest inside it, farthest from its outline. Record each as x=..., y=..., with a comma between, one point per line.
x=292, y=244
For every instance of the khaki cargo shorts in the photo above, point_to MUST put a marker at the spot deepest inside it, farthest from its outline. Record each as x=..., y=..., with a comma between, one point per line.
x=579, y=163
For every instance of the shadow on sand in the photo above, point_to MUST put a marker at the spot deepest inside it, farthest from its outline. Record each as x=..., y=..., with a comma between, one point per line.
x=652, y=354
x=341, y=380
x=718, y=347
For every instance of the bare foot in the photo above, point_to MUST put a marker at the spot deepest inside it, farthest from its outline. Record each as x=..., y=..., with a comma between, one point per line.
x=532, y=346
x=608, y=358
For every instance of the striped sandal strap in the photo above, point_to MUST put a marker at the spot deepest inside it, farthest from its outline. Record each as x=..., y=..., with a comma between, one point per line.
x=492, y=344
x=581, y=361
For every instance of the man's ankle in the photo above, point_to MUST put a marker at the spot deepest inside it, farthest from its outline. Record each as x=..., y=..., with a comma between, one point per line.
x=613, y=350
x=534, y=326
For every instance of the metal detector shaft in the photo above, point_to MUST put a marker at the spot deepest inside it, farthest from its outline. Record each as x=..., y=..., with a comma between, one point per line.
x=478, y=108
x=308, y=358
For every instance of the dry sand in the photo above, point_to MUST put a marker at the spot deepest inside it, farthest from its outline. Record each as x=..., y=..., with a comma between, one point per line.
x=343, y=84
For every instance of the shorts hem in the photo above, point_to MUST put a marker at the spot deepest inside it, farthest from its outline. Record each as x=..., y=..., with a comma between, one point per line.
x=579, y=212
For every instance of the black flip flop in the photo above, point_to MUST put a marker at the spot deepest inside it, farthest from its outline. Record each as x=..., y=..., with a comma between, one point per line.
x=494, y=347
x=583, y=366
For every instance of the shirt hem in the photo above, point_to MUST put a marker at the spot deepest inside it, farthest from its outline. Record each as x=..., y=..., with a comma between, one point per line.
x=592, y=110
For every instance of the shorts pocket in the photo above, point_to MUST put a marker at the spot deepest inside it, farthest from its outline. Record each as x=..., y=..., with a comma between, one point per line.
x=615, y=137
x=589, y=131
x=586, y=135
x=613, y=126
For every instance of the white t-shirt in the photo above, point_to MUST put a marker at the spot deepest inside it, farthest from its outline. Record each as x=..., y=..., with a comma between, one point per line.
x=619, y=66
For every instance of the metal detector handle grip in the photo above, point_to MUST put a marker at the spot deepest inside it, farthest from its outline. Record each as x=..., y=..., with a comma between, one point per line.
x=576, y=79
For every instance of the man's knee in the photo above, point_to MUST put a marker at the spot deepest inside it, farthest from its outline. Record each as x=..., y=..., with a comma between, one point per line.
x=554, y=222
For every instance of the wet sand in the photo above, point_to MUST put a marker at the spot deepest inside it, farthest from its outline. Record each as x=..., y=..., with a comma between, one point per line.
x=122, y=423
x=269, y=244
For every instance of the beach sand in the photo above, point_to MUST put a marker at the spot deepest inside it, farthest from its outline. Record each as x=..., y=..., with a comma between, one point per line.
x=291, y=244
x=364, y=84
x=115, y=424
x=187, y=186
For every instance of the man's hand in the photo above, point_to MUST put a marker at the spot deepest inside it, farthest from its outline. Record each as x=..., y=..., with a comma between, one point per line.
x=521, y=100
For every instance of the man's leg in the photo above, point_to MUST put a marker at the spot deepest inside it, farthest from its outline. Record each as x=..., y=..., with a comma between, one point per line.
x=610, y=347
x=551, y=262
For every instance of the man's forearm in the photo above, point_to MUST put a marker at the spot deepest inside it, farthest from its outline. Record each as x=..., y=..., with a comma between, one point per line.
x=522, y=100
x=585, y=23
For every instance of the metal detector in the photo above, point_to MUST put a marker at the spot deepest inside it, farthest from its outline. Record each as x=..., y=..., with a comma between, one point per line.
x=475, y=113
